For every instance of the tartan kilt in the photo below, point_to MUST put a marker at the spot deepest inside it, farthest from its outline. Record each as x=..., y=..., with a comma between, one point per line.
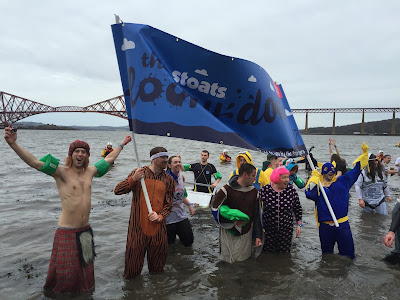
x=66, y=274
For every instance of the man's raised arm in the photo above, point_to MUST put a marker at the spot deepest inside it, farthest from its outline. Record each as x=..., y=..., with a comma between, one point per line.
x=110, y=158
x=28, y=158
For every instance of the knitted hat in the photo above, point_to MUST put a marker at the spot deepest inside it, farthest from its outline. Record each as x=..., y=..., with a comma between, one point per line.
x=78, y=144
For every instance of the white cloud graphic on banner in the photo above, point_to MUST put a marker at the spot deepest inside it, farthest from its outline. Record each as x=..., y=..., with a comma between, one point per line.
x=288, y=113
x=252, y=79
x=127, y=45
x=202, y=72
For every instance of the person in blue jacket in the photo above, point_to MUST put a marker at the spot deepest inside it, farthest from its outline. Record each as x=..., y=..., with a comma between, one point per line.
x=337, y=190
x=292, y=167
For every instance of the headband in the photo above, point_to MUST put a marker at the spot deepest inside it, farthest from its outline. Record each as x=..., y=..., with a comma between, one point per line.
x=159, y=154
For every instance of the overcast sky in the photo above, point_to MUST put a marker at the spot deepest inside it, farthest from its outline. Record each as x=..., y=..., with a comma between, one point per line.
x=324, y=53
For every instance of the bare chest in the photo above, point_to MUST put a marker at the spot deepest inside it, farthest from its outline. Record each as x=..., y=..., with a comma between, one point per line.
x=75, y=185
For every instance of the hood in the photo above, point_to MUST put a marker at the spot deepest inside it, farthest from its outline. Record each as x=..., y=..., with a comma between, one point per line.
x=233, y=182
x=290, y=165
x=246, y=156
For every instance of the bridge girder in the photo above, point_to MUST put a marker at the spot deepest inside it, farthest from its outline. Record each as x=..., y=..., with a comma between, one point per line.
x=14, y=108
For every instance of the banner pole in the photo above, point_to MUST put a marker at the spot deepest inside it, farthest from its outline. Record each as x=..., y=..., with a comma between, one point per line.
x=143, y=184
x=328, y=204
x=117, y=19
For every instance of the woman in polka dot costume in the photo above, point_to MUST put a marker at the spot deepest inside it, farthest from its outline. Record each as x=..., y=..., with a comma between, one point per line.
x=280, y=200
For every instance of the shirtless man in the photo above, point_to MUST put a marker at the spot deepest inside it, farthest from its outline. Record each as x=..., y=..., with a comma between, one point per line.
x=71, y=264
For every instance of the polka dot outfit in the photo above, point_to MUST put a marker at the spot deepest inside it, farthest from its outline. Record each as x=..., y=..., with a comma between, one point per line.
x=278, y=208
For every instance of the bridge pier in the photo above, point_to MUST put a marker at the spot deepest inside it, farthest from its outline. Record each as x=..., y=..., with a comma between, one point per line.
x=394, y=123
x=333, y=125
x=306, y=127
x=362, y=122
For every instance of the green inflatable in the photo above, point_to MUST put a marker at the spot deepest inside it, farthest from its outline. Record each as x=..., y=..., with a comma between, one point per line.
x=233, y=214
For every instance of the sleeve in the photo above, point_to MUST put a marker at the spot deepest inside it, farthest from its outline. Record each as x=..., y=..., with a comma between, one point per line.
x=217, y=175
x=299, y=182
x=263, y=179
x=220, y=196
x=297, y=209
x=394, y=226
x=169, y=196
x=213, y=169
x=351, y=177
x=397, y=164
x=257, y=223
x=386, y=189
x=342, y=167
x=358, y=186
x=124, y=187
x=267, y=175
x=312, y=192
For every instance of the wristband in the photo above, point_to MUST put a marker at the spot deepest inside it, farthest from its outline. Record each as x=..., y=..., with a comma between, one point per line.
x=121, y=147
x=301, y=225
x=191, y=204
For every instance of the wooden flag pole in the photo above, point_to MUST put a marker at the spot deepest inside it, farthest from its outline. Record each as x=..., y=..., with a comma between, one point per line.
x=146, y=195
x=324, y=194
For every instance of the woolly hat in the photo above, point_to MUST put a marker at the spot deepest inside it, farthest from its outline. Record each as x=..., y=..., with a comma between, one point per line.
x=326, y=168
x=276, y=174
x=78, y=144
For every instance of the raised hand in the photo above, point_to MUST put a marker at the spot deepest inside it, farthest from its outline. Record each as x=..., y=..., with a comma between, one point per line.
x=126, y=140
x=9, y=135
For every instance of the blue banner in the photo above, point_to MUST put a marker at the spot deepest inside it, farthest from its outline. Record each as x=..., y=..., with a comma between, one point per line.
x=173, y=87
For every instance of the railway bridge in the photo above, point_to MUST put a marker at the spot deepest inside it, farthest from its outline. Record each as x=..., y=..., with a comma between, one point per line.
x=14, y=108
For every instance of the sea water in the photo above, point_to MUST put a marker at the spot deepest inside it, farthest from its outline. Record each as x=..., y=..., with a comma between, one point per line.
x=30, y=207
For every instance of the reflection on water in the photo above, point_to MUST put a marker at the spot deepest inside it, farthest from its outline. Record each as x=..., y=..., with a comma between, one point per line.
x=29, y=210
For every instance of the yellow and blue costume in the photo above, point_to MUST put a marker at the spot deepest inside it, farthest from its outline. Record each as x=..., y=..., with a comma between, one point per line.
x=338, y=195
x=260, y=178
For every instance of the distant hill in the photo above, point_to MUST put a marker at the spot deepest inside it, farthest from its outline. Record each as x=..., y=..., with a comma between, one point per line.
x=41, y=126
x=371, y=128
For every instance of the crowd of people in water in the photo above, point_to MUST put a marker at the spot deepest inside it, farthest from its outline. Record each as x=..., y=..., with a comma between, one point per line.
x=258, y=209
